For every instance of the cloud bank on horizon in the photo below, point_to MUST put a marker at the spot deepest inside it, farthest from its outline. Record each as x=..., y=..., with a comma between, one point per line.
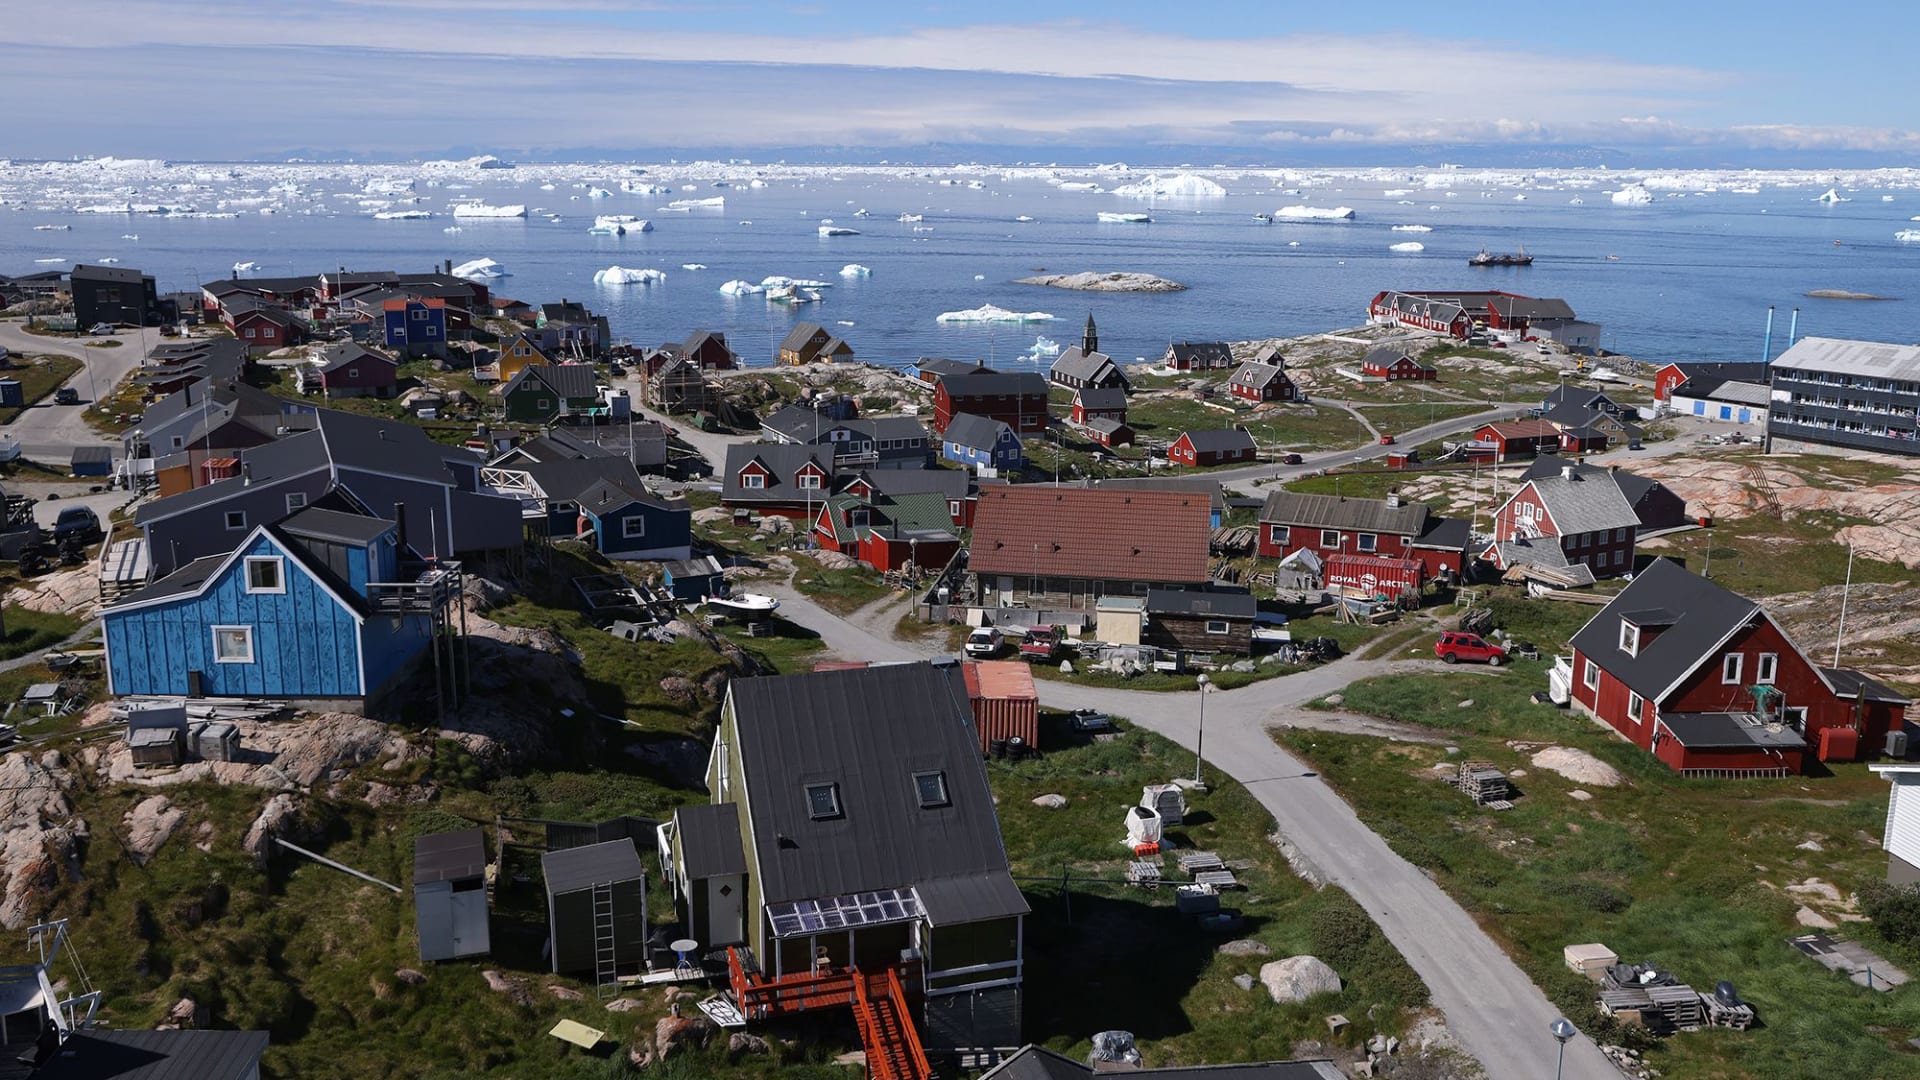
x=250, y=78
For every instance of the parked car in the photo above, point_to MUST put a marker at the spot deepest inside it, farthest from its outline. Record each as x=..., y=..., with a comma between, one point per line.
x=66, y=395
x=1292, y=459
x=1386, y=440
x=985, y=641
x=1455, y=646
x=77, y=522
x=100, y=329
x=1089, y=720
x=1044, y=643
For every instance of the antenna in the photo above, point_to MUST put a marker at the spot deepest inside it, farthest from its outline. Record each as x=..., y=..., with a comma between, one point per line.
x=1840, y=629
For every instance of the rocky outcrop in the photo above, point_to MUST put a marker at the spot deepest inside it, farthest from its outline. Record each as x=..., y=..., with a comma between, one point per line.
x=41, y=834
x=279, y=817
x=1578, y=766
x=1093, y=281
x=149, y=824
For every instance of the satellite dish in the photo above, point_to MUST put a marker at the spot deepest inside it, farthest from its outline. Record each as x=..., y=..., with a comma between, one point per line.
x=1562, y=1029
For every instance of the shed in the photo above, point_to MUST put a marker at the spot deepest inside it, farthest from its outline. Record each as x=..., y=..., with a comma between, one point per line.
x=1005, y=703
x=694, y=579
x=596, y=908
x=450, y=895
x=712, y=872
x=1118, y=619
x=92, y=461
x=12, y=395
x=1198, y=620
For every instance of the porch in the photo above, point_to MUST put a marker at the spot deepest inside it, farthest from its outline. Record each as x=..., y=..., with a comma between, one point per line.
x=876, y=995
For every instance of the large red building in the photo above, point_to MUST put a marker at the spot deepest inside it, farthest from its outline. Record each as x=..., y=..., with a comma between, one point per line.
x=1388, y=528
x=1015, y=398
x=1564, y=519
x=1709, y=683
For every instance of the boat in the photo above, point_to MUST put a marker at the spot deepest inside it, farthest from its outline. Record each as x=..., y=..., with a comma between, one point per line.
x=1488, y=258
x=750, y=606
x=1264, y=219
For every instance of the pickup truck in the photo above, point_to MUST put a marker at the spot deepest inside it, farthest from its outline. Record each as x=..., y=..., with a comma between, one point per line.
x=1044, y=644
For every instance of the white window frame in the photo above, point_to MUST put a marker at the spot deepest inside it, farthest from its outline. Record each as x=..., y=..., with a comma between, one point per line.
x=1367, y=542
x=249, y=331
x=1280, y=534
x=220, y=659
x=1731, y=667
x=1766, y=668
x=296, y=500
x=279, y=573
x=1635, y=706
x=231, y=524
x=754, y=481
x=1218, y=626
x=1629, y=638
x=1590, y=675
x=628, y=530
x=807, y=481
x=1326, y=543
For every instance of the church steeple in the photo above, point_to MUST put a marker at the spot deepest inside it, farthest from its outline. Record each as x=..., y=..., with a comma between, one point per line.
x=1090, y=337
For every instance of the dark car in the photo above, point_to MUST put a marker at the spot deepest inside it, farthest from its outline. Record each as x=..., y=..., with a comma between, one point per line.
x=77, y=523
x=1293, y=459
x=66, y=395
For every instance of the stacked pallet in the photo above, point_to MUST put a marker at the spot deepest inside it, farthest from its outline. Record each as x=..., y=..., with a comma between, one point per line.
x=1484, y=783
x=1680, y=1005
x=124, y=570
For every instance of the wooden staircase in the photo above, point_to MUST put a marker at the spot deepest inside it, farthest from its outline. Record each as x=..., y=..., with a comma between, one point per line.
x=886, y=1029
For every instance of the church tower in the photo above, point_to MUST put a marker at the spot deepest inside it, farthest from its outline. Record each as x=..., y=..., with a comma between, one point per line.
x=1090, y=337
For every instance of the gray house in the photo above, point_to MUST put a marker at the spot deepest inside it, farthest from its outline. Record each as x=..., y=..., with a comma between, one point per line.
x=596, y=909
x=372, y=465
x=888, y=442
x=450, y=895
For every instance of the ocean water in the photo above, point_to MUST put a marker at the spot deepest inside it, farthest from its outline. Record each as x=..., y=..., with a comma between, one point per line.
x=1690, y=278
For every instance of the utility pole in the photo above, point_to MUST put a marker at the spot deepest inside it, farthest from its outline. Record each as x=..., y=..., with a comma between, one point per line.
x=1840, y=630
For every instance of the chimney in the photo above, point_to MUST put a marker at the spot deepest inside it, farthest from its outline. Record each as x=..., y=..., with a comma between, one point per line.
x=1393, y=500
x=400, y=526
x=1566, y=472
x=449, y=267
x=246, y=473
x=1615, y=467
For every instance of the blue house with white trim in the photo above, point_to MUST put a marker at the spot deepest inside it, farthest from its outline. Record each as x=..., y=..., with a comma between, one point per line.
x=309, y=608
x=980, y=442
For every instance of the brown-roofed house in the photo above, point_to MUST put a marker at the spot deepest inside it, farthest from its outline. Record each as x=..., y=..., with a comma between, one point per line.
x=1062, y=548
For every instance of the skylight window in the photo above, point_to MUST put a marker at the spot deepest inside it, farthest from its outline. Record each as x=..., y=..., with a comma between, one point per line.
x=932, y=787
x=823, y=801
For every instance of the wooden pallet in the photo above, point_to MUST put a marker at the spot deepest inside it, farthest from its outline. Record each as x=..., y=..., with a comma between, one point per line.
x=1216, y=879
x=1193, y=862
x=1679, y=1004
x=1145, y=874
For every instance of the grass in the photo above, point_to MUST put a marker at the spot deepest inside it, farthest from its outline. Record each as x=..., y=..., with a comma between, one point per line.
x=1395, y=418
x=38, y=376
x=839, y=591
x=1163, y=418
x=28, y=631
x=1758, y=556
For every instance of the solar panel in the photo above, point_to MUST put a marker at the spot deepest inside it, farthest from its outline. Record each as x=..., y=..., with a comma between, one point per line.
x=801, y=917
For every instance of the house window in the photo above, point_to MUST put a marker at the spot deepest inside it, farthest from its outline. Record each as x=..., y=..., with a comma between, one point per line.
x=433, y=331
x=1730, y=665
x=1629, y=638
x=1279, y=534
x=633, y=528
x=1797, y=717
x=932, y=789
x=176, y=442
x=236, y=519
x=810, y=481
x=265, y=574
x=233, y=644
x=1765, y=668
x=296, y=500
x=1635, y=703
x=1216, y=626
x=858, y=518
x=753, y=480
x=1367, y=542
x=353, y=373
x=1590, y=676
x=1619, y=535
x=953, y=508
x=543, y=403
x=249, y=331
x=823, y=801
x=1330, y=538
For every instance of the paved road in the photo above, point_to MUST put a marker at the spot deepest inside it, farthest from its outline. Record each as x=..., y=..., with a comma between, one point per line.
x=1248, y=478
x=48, y=432
x=1495, y=1011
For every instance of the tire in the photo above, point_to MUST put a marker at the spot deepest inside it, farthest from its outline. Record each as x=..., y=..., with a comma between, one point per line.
x=1451, y=658
x=1493, y=661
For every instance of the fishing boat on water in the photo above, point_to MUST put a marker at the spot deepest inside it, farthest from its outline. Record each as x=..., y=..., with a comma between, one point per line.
x=1488, y=258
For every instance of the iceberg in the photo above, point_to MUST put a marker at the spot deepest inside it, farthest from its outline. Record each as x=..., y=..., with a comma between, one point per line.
x=1315, y=213
x=838, y=230
x=619, y=225
x=482, y=210
x=599, y=193
x=620, y=275
x=243, y=267
x=402, y=215
x=1632, y=195
x=480, y=269
x=1183, y=186
x=1410, y=246
x=451, y=229
x=130, y=236
x=52, y=228
x=688, y=204
x=741, y=288
x=1413, y=228
x=106, y=261
x=50, y=262
x=641, y=187
x=776, y=281
x=1109, y=217
x=855, y=270
x=1576, y=201
x=1043, y=347
x=909, y=217
x=991, y=314
x=1077, y=185
x=1023, y=217
x=1830, y=197
x=693, y=266
x=1908, y=236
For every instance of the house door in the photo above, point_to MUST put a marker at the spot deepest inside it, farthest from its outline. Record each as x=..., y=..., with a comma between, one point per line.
x=726, y=909
x=1699, y=408
x=1726, y=412
x=1077, y=593
x=1006, y=591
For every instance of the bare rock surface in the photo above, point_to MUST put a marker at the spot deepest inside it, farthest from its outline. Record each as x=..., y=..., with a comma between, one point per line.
x=40, y=837
x=1095, y=281
x=1298, y=978
x=1578, y=766
x=149, y=824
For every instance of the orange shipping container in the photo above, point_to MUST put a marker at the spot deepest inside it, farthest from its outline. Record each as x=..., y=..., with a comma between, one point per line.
x=1839, y=744
x=1005, y=703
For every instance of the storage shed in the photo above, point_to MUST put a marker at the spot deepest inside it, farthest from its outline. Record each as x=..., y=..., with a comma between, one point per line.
x=92, y=461
x=1118, y=619
x=596, y=908
x=450, y=895
x=710, y=872
x=694, y=579
x=1005, y=703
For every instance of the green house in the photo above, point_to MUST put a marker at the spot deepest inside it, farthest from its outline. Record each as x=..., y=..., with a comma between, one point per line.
x=546, y=393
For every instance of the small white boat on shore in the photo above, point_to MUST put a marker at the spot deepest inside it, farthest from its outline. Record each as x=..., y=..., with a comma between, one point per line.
x=744, y=606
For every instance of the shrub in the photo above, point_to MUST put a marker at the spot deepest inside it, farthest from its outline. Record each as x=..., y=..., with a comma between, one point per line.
x=1895, y=911
x=1341, y=931
x=1593, y=897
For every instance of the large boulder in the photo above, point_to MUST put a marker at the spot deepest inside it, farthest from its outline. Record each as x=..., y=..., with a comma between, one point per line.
x=149, y=824
x=1298, y=978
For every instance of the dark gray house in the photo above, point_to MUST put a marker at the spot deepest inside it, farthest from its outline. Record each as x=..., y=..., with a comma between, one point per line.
x=119, y=295
x=888, y=442
x=100, y=1054
x=1075, y=368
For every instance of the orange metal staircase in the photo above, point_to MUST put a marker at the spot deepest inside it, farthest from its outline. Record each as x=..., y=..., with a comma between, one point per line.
x=878, y=1001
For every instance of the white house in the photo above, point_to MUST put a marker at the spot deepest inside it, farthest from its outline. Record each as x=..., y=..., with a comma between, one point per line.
x=1902, y=838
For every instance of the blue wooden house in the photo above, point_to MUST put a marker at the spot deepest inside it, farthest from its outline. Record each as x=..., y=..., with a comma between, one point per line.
x=305, y=609
x=979, y=442
x=416, y=325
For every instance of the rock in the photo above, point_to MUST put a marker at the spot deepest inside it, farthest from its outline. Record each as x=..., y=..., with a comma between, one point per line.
x=1810, y=845
x=1377, y=1044
x=279, y=817
x=1242, y=666
x=1095, y=281
x=1066, y=667
x=1517, y=773
x=1430, y=1033
x=773, y=525
x=1813, y=886
x=382, y=989
x=1452, y=750
x=1244, y=947
x=673, y=1033
x=39, y=838
x=1051, y=802
x=740, y=1044
x=679, y=688
x=1393, y=1045
x=149, y=824
x=1808, y=917
x=625, y=1005
x=1580, y=796
x=184, y=1012
x=640, y=1054
x=410, y=976
x=1467, y=704
x=1243, y=981
x=1298, y=978
x=508, y=985
x=1578, y=766
x=565, y=993
x=1336, y=699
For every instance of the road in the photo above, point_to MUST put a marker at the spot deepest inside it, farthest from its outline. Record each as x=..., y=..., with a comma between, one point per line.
x=1492, y=1008
x=1246, y=479
x=47, y=432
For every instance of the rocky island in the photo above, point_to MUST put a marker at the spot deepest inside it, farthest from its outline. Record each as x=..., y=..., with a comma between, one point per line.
x=1092, y=281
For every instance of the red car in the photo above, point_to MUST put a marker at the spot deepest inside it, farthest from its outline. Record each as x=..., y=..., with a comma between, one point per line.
x=1386, y=440
x=1454, y=647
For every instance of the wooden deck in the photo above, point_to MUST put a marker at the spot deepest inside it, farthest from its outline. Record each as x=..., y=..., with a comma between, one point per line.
x=878, y=1001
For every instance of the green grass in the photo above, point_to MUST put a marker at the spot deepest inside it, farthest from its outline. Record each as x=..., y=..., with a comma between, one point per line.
x=839, y=591
x=1290, y=427
x=1395, y=418
x=1757, y=556
x=38, y=376
x=27, y=630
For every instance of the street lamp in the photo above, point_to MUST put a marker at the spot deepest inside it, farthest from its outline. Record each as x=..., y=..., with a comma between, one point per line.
x=1563, y=1031
x=1200, y=737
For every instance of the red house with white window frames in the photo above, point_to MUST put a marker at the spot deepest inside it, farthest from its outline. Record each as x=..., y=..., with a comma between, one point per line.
x=1588, y=515
x=1395, y=366
x=1196, y=449
x=1257, y=382
x=1388, y=528
x=1092, y=403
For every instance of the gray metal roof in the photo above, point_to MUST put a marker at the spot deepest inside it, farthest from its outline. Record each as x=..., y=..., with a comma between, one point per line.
x=951, y=483
x=1872, y=359
x=1848, y=683
x=449, y=856
x=1707, y=614
x=338, y=356
x=710, y=840
x=1584, y=504
x=566, y=380
x=868, y=731
x=1335, y=512
x=1218, y=440
x=1086, y=366
x=780, y=459
x=970, y=897
x=801, y=333
x=1527, y=307
x=1719, y=388
x=156, y=1055
x=573, y=869
x=995, y=384
x=318, y=523
x=1101, y=398
x=1039, y=1063
x=977, y=432
x=1445, y=534
x=1546, y=554
x=1202, y=353
x=1729, y=731
x=1202, y=603
x=1257, y=375
x=182, y=582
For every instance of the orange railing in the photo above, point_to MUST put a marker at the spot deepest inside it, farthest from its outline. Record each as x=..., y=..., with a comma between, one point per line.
x=879, y=1004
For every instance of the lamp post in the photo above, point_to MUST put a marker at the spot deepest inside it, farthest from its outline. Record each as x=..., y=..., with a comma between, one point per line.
x=1563, y=1031
x=1200, y=736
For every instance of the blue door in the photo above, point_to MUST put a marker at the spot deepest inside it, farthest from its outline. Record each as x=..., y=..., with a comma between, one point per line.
x=1699, y=408
x=1746, y=416
x=1726, y=412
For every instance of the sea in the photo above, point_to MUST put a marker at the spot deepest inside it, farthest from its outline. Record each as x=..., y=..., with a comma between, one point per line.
x=1688, y=275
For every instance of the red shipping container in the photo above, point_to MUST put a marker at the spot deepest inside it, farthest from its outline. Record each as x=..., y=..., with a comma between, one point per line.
x=1005, y=703
x=1375, y=574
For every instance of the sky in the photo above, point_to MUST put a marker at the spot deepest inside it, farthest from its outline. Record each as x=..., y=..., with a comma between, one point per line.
x=1698, y=82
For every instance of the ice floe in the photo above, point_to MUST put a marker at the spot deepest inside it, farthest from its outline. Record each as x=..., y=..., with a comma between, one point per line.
x=1315, y=213
x=1183, y=186
x=855, y=270
x=837, y=230
x=619, y=225
x=741, y=288
x=1042, y=348
x=1409, y=247
x=1632, y=195
x=621, y=275
x=1908, y=236
x=402, y=215
x=1413, y=228
x=482, y=210
x=480, y=269
x=1110, y=217
x=990, y=313
x=243, y=267
x=693, y=266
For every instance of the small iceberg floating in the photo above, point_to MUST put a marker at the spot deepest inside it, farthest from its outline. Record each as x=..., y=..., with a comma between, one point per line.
x=1043, y=348
x=1315, y=213
x=1409, y=247
x=107, y=261
x=741, y=288
x=480, y=269
x=693, y=266
x=837, y=230
x=619, y=225
x=130, y=236
x=620, y=275
x=1113, y=217
x=909, y=217
x=243, y=267
x=1633, y=195
x=1907, y=236
x=482, y=210
x=1023, y=217
x=402, y=215
x=1830, y=197
x=788, y=294
x=990, y=313
x=599, y=193
x=52, y=228
x=1413, y=228
x=855, y=270
x=451, y=229
x=50, y=262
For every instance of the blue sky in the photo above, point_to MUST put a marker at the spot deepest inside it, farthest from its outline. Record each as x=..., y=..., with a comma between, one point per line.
x=1257, y=81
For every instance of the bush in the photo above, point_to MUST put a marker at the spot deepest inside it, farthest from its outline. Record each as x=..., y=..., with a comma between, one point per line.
x=1591, y=896
x=1895, y=911
x=1341, y=931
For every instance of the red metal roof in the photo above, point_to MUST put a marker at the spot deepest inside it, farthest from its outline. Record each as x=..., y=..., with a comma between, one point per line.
x=1523, y=429
x=1118, y=534
x=1010, y=680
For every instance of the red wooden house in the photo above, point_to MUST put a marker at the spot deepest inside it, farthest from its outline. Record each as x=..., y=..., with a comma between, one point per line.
x=1092, y=403
x=1199, y=449
x=1110, y=433
x=1389, y=528
x=1017, y=399
x=347, y=370
x=1519, y=438
x=1585, y=516
x=1395, y=365
x=1708, y=682
x=1679, y=371
x=1257, y=382
x=262, y=329
x=889, y=532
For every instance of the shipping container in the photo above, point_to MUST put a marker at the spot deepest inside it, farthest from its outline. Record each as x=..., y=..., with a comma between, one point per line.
x=1005, y=703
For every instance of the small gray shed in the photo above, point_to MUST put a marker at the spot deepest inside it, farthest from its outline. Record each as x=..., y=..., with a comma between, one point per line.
x=711, y=865
x=596, y=908
x=450, y=895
